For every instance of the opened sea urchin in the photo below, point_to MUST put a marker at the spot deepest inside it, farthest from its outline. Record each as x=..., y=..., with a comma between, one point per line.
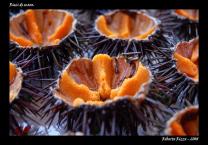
x=101, y=79
x=123, y=31
x=186, y=56
x=48, y=34
x=100, y=94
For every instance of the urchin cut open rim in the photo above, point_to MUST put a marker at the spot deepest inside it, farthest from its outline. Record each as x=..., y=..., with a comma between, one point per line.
x=27, y=32
x=184, y=123
x=186, y=55
x=15, y=81
x=128, y=22
x=107, y=88
x=191, y=14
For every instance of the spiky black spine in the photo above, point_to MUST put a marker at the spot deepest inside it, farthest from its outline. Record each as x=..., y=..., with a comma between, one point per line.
x=21, y=110
x=119, y=118
x=180, y=88
x=171, y=86
x=26, y=104
x=181, y=28
x=122, y=117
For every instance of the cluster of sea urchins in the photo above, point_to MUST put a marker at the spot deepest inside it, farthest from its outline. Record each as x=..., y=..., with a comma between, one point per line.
x=120, y=72
x=39, y=40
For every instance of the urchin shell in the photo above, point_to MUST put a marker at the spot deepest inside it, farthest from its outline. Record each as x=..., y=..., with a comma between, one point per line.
x=180, y=29
x=54, y=56
x=113, y=47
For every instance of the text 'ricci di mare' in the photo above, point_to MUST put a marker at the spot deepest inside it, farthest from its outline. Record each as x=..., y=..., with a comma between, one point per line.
x=21, y=5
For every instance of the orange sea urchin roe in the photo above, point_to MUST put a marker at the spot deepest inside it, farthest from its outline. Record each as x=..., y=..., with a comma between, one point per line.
x=102, y=78
x=12, y=72
x=40, y=27
x=177, y=129
x=185, y=123
x=32, y=27
x=62, y=30
x=188, y=13
x=131, y=85
x=126, y=25
x=186, y=56
x=15, y=81
x=71, y=90
x=185, y=65
x=103, y=73
x=102, y=25
x=21, y=40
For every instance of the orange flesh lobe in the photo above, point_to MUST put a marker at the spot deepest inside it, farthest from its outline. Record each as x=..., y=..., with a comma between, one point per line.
x=63, y=29
x=40, y=27
x=102, y=69
x=177, y=129
x=131, y=85
x=72, y=90
x=188, y=14
x=124, y=26
x=186, y=56
x=12, y=72
x=20, y=40
x=77, y=89
x=102, y=25
x=32, y=26
x=145, y=35
x=124, y=19
x=185, y=65
x=15, y=81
